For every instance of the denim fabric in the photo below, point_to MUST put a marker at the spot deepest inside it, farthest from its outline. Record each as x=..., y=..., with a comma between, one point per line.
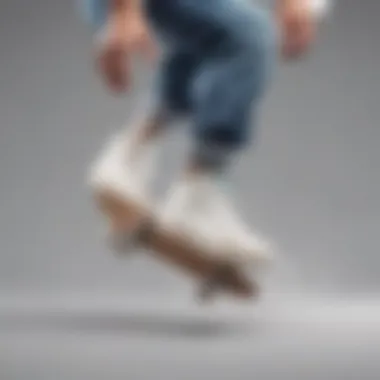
x=93, y=11
x=218, y=60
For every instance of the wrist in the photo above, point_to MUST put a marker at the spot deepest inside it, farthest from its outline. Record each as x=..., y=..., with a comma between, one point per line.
x=291, y=5
x=317, y=7
x=123, y=8
x=122, y=13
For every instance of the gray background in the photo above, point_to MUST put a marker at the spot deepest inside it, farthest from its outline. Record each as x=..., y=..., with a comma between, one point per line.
x=70, y=310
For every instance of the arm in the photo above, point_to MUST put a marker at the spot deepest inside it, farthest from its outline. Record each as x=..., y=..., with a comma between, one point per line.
x=125, y=20
x=124, y=32
x=120, y=11
x=99, y=13
x=298, y=20
x=318, y=8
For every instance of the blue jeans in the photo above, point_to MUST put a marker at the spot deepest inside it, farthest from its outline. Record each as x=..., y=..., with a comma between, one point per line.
x=218, y=62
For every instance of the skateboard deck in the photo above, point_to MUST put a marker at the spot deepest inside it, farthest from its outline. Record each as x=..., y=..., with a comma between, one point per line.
x=172, y=247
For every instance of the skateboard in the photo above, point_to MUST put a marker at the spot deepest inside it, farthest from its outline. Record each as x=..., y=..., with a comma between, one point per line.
x=141, y=224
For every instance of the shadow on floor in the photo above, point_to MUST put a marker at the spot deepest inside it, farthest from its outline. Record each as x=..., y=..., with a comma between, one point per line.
x=130, y=323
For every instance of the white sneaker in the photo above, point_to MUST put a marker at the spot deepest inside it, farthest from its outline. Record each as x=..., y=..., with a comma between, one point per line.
x=250, y=246
x=205, y=215
x=186, y=209
x=118, y=170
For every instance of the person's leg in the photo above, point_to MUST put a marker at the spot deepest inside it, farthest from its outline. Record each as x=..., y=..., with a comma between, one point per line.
x=227, y=90
x=172, y=101
x=128, y=163
x=135, y=146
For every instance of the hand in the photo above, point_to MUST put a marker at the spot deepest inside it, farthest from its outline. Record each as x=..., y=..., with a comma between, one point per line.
x=120, y=42
x=298, y=25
